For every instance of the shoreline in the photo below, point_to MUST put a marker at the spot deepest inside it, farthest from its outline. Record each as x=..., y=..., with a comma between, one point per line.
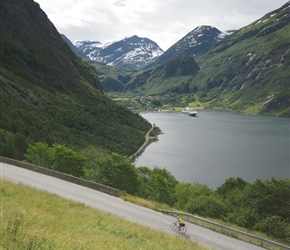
x=144, y=145
x=213, y=109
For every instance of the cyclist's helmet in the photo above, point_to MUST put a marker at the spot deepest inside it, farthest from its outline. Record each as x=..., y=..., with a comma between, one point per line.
x=177, y=217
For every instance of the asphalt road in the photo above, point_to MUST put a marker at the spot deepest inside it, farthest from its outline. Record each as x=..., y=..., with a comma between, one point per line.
x=120, y=208
x=144, y=144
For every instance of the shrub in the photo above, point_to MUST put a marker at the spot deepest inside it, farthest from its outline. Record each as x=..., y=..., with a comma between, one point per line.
x=116, y=171
x=274, y=226
x=242, y=216
x=210, y=206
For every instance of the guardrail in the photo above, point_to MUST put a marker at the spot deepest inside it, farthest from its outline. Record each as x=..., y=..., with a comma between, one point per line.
x=223, y=228
x=63, y=176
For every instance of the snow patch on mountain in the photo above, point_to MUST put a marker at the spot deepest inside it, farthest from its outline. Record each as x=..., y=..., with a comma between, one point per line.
x=203, y=34
x=129, y=52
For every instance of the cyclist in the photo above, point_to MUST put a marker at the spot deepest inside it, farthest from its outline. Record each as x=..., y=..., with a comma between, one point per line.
x=180, y=222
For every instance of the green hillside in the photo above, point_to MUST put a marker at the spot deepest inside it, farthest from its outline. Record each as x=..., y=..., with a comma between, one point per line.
x=33, y=219
x=247, y=72
x=173, y=76
x=51, y=95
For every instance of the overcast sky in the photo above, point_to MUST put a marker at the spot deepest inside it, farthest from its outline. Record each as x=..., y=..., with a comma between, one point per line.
x=163, y=21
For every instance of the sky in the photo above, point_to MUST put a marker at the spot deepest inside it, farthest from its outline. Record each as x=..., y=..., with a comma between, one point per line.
x=163, y=21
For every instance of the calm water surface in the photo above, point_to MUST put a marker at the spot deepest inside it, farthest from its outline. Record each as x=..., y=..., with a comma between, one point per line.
x=217, y=145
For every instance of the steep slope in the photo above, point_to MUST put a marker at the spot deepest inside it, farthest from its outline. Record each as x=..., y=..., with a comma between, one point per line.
x=132, y=52
x=74, y=48
x=197, y=42
x=51, y=95
x=112, y=78
x=249, y=70
x=173, y=76
x=36, y=50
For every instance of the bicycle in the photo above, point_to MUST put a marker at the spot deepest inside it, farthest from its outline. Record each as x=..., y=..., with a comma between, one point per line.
x=174, y=227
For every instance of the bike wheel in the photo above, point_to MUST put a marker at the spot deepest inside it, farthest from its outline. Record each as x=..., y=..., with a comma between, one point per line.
x=173, y=226
x=183, y=229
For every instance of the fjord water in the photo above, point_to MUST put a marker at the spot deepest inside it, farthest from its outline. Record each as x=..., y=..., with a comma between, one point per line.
x=217, y=145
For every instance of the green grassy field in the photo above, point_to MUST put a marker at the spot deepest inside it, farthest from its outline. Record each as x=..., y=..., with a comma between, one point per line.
x=33, y=219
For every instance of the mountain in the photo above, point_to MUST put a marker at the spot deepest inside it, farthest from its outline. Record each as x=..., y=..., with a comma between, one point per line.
x=142, y=53
x=132, y=52
x=74, y=48
x=247, y=71
x=50, y=94
x=197, y=42
x=171, y=77
x=112, y=78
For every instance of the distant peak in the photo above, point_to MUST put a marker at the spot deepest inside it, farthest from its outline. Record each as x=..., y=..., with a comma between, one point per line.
x=88, y=42
x=203, y=27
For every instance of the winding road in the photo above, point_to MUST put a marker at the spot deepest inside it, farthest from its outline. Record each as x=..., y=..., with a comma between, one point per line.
x=121, y=208
x=144, y=144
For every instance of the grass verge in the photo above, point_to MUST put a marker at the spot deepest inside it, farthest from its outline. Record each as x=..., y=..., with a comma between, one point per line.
x=33, y=219
x=163, y=207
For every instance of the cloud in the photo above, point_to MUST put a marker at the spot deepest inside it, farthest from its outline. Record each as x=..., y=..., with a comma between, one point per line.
x=164, y=22
x=120, y=3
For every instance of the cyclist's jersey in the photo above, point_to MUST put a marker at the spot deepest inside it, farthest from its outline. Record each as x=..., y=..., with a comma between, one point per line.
x=180, y=221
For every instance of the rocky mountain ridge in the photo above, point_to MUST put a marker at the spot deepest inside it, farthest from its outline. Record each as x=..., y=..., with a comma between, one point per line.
x=132, y=52
x=196, y=43
x=142, y=53
x=51, y=95
x=247, y=71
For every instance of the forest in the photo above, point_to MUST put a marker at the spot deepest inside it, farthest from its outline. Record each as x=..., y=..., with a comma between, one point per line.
x=262, y=206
